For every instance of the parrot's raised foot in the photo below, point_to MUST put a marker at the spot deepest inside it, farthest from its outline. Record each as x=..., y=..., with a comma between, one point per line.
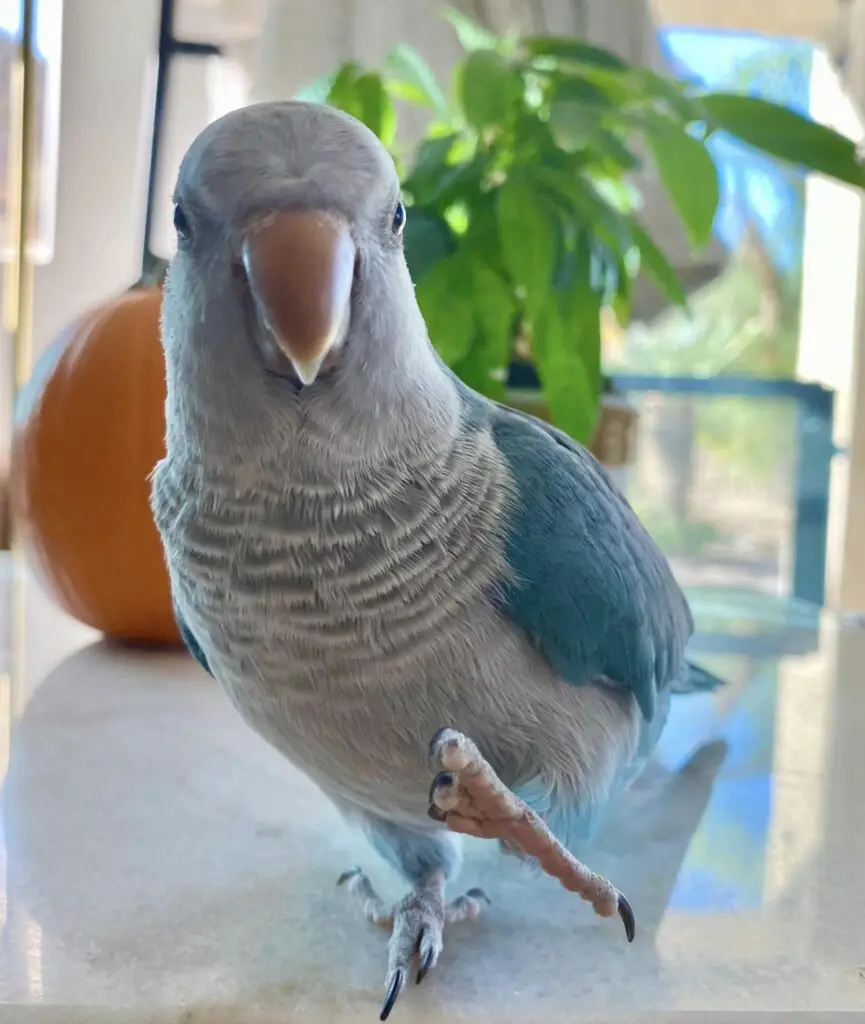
x=416, y=923
x=469, y=797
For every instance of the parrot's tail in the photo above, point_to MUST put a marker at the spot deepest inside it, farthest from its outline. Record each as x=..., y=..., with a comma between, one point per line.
x=697, y=680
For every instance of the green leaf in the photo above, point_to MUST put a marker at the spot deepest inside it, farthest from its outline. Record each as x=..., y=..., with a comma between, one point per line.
x=671, y=92
x=619, y=192
x=471, y=36
x=581, y=319
x=444, y=295
x=577, y=50
x=578, y=90
x=689, y=175
x=431, y=168
x=478, y=369
x=439, y=177
x=342, y=93
x=485, y=365
x=571, y=398
x=427, y=240
x=590, y=208
x=489, y=89
x=615, y=85
x=364, y=96
x=482, y=237
x=465, y=186
x=458, y=216
x=621, y=301
x=414, y=78
x=604, y=275
x=573, y=126
x=576, y=109
x=614, y=151
x=630, y=88
x=527, y=234
x=656, y=264
x=785, y=134
x=376, y=108
x=495, y=311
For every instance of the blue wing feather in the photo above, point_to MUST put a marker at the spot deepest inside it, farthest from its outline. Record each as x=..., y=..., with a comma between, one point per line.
x=589, y=585
x=191, y=643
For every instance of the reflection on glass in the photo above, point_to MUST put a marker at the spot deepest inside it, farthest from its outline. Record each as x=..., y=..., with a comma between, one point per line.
x=725, y=867
x=715, y=485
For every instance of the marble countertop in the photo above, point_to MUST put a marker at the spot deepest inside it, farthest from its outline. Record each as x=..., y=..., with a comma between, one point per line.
x=160, y=863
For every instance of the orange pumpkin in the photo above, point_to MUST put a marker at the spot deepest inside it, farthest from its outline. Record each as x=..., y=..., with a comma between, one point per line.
x=89, y=429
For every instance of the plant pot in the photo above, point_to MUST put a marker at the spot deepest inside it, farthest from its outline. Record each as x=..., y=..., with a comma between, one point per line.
x=615, y=442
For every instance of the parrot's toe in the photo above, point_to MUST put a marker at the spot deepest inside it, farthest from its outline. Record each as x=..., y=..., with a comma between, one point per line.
x=395, y=986
x=452, y=748
x=468, y=797
x=417, y=926
x=444, y=793
x=372, y=906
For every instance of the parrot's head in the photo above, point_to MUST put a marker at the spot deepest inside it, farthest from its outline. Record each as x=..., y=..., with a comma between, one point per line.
x=289, y=292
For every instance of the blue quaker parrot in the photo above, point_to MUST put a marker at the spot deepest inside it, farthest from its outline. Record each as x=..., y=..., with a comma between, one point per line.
x=439, y=609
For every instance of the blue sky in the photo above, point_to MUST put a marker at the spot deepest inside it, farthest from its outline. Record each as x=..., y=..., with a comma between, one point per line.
x=713, y=56
x=753, y=188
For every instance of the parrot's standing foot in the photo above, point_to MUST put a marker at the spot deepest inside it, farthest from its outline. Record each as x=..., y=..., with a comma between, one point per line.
x=416, y=923
x=470, y=798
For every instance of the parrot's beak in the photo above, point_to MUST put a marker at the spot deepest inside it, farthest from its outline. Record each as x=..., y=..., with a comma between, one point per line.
x=300, y=267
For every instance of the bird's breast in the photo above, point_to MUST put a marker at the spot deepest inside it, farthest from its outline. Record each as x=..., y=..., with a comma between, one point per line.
x=348, y=624
x=326, y=611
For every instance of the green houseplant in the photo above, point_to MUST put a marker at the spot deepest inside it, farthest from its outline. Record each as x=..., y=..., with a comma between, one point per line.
x=523, y=230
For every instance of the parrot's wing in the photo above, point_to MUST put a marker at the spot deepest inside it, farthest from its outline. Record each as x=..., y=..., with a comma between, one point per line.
x=590, y=587
x=190, y=642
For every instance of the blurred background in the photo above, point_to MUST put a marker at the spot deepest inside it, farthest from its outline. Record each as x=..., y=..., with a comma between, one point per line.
x=749, y=460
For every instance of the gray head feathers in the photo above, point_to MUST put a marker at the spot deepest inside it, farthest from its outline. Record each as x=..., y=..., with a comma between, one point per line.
x=290, y=272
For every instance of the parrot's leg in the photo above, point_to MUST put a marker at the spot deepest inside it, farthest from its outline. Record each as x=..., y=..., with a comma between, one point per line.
x=416, y=924
x=470, y=798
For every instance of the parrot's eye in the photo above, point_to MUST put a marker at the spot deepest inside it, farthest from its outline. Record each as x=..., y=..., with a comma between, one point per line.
x=181, y=223
x=398, y=220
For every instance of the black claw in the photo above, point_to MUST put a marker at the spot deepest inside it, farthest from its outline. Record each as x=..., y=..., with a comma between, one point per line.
x=479, y=894
x=626, y=913
x=436, y=813
x=346, y=875
x=433, y=743
x=392, y=995
x=425, y=966
x=442, y=779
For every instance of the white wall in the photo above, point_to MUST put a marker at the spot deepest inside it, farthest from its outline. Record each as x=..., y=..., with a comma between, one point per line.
x=107, y=80
x=832, y=323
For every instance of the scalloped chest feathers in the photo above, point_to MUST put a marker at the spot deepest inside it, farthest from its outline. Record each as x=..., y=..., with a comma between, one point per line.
x=334, y=616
